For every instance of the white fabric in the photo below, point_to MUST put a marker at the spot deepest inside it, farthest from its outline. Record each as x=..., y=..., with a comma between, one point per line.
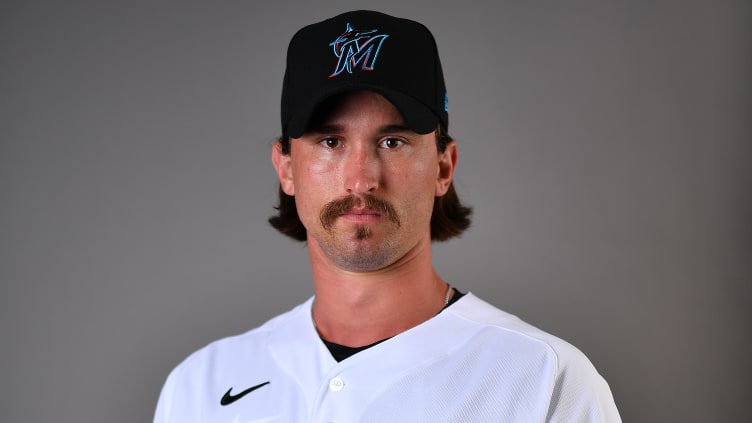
x=471, y=363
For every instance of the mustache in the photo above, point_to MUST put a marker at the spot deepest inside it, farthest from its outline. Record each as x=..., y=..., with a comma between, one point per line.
x=335, y=208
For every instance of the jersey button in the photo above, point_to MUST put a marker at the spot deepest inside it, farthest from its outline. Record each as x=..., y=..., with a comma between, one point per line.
x=336, y=384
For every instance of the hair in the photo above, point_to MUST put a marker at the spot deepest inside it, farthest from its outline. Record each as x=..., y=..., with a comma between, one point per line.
x=449, y=219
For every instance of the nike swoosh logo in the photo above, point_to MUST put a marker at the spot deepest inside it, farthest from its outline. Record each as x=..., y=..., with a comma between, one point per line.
x=228, y=398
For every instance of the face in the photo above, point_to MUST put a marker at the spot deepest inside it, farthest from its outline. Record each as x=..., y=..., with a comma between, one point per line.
x=364, y=184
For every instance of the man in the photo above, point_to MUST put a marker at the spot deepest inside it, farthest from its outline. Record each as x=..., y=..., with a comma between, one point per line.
x=365, y=168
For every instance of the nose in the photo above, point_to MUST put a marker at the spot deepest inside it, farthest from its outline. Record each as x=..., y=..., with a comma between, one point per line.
x=361, y=170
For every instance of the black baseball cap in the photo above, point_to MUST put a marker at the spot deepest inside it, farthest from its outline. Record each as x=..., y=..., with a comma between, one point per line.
x=365, y=50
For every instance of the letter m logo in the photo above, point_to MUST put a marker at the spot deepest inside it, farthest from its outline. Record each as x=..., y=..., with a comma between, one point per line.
x=356, y=48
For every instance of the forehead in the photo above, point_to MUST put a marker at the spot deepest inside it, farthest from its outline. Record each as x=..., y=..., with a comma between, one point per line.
x=355, y=106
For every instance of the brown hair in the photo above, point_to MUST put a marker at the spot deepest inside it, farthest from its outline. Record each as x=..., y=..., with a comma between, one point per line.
x=449, y=218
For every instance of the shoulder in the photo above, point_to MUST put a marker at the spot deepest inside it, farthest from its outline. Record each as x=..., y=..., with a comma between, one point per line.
x=490, y=319
x=252, y=343
x=222, y=359
x=196, y=383
x=574, y=386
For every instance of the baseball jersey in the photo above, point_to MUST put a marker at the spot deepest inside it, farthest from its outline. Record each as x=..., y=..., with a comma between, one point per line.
x=470, y=363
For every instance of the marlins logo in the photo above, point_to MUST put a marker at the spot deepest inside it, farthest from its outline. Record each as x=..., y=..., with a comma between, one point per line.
x=356, y=48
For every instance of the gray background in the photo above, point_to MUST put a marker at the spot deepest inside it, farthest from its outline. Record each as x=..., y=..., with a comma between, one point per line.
x=604, y=145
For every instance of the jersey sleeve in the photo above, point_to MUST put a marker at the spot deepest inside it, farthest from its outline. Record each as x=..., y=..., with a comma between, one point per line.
x=164, y=402
x=179, y=401
x=581, y=395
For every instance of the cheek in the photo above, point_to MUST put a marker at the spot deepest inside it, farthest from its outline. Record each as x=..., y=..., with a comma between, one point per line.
x=417, y=175
x=416, y=185
x=315, y=172
x=313, y=184
x=308, y=206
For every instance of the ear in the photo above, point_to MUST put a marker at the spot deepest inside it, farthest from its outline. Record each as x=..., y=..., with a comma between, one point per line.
x=447, y=164
x=283, y=165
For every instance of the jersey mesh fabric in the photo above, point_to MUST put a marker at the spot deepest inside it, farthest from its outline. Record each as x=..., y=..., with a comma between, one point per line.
x=461, y=390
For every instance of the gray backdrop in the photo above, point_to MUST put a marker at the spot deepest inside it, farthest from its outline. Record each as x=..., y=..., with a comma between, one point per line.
x=604, y=145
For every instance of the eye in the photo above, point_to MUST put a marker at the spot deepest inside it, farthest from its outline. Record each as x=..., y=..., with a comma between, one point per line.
x=390, y=143
x=330, y=142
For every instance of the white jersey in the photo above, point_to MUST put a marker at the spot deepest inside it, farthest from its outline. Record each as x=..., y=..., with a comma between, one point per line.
x=470, y=363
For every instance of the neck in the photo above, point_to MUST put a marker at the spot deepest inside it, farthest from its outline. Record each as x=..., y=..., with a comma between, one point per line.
x=360, y=308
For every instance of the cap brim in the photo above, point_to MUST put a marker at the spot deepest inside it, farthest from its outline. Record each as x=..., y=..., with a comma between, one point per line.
x=417, y=116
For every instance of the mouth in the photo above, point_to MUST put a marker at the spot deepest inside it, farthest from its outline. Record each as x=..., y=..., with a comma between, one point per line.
x=360, y=211
x=359, y=215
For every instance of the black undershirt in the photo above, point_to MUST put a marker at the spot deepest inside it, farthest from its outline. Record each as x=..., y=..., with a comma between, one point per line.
x=341, y=352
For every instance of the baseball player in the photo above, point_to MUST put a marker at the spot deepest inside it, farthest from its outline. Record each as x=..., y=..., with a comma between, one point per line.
x=365, y=168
